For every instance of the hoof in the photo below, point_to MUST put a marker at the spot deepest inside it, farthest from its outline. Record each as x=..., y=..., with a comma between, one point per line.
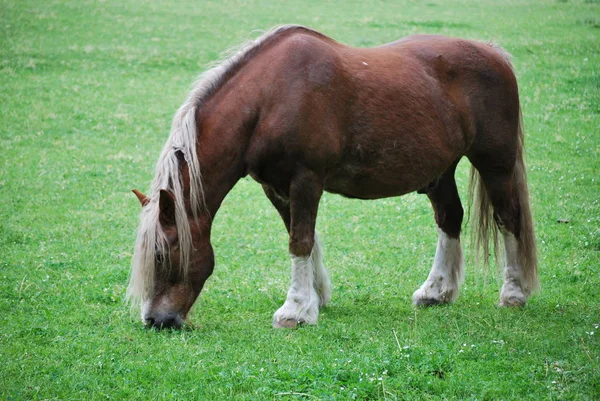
x=286, y=324
x=512, y=302
x=296, y=311
x=425, y=302
x=426, y=296
x=512, y=296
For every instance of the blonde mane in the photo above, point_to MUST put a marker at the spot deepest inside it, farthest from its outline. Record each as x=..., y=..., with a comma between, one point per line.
x=182, y=143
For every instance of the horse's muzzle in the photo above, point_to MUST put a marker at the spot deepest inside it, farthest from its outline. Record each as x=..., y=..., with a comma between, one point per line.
x=166, y=321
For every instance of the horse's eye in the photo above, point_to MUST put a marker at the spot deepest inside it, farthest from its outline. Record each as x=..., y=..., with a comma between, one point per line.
x=159, y=257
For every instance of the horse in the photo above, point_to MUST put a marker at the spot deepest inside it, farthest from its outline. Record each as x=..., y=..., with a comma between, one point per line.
x=302, y=114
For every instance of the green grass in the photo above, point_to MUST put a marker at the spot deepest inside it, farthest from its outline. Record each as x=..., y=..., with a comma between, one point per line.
x=88, y=90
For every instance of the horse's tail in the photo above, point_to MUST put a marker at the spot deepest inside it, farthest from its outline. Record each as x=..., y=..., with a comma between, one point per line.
x=486, y=232
x=526, y=238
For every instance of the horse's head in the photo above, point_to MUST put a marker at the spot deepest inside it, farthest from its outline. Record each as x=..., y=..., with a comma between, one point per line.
x=173, y=259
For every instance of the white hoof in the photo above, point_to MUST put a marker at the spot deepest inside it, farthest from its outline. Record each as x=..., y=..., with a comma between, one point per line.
x=434, y=292
x=512, y=295
x=297, y=310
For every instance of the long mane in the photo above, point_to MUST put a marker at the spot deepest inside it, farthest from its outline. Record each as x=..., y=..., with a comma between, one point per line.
x=182, y=144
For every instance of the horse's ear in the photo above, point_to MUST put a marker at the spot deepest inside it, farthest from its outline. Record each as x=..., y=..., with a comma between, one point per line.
x=166, y=205
x=141, y=197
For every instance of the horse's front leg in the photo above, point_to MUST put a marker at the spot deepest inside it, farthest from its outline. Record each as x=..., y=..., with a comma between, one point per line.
x=310, y=287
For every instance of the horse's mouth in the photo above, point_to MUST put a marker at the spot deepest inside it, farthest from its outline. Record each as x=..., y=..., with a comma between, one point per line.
x=169, y=321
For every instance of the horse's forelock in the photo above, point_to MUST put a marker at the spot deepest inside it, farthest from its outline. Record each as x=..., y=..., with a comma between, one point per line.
x=144, y=257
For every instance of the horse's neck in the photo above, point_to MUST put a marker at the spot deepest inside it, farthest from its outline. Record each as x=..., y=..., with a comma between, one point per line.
x=222, y=141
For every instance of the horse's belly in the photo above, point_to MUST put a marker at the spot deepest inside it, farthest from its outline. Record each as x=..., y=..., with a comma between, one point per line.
x=375, y=183
x=364, y=190
x=385, y=171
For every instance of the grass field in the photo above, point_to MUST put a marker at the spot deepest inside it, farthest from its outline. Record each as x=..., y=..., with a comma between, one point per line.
x=88, y=90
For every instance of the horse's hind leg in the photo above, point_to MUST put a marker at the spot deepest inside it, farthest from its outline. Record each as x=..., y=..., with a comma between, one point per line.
x=511, y=214
x=442, y=284
x=310, y=287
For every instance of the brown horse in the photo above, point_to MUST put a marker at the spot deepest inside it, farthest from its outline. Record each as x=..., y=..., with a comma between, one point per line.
x=303, y=114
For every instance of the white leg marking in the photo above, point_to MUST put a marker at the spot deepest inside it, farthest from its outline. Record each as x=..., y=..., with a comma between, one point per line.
x=322, y=283
x=445, y=276
x=512, y=293
x=302, y=303
x=310, y=289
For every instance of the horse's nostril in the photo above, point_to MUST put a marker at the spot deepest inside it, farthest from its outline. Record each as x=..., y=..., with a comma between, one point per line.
x=164, y=322
x=171, y=322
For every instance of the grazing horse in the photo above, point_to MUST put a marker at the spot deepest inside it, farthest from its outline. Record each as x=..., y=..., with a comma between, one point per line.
x=302, y=114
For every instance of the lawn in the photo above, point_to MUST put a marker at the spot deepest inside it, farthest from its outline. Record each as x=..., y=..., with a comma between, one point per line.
x=88, y=91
